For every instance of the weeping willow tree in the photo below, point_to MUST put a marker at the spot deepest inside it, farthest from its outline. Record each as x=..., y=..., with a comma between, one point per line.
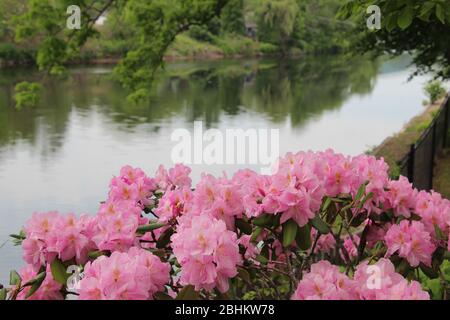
x=276, y=20
x=154, y=25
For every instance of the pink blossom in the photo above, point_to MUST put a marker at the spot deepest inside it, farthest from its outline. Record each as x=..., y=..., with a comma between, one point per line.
x=381, y=282
x=411, y=241
x=48, y=290
x=401, y=197
x=132, y=275
x=325, y=282
x=207, y=252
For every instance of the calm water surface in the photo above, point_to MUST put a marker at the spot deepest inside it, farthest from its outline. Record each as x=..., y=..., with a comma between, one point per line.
x=62, y=154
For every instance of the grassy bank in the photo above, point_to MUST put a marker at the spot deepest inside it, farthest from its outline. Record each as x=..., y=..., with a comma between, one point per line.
x=394, y=148
x=186, y=47
x=441, y=182
x=98, y=51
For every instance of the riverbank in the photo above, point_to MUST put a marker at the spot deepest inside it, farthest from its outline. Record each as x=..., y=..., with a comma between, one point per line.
x=184, y=48
x=394, y=148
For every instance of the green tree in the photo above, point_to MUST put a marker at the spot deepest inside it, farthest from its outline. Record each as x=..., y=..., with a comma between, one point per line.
x=318, y=30
x=155, y=24
x=418, y=27
x=276, y=21
x=232, y=17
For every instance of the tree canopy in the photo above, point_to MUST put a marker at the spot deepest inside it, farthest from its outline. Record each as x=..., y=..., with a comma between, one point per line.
x=418, y=27
x=155, y=25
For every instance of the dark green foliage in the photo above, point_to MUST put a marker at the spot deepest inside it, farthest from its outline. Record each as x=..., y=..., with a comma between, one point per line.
x=232, y=17
x=27, y=94
x=418, y=27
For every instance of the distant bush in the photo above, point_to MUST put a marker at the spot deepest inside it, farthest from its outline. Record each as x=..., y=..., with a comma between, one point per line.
x=10, y=53
x=200, y=34
x=434, y=90
x=268, y=48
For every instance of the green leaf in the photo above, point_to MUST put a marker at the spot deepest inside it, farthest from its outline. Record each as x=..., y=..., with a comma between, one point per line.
x=256, y=234
x=39, y=277
x=326, y=204
x=36, y=284
x=303, y=237
x=361, y=192
x=436, y=288
x=3, y=294
x=260, y=258
x=403, y=267
x=447, y=255
x=430, y=273
x=264, y=220
x=187, y=293
x=405, y=19
x=426, y=11
x=14, y=278
x=17, y=236
x=289, y=232
x=440, y=13
x=150, y=227
x=319, y=225
x=391, y=22
x=164, y=239
x=263, y=257
x=439, y=234
x=162, y=296
x=243, y=274
x=96, y=254
x=59, y=272
x=244, y=226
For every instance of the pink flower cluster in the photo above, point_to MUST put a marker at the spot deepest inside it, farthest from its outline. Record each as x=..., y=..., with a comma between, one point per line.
x=206, y=243
x=178, y=176
x=207, y=252
x=375, y=282
x=49, y=289
x=297, y=189
x=133, y=275
x=50, y=235
x=411, y=241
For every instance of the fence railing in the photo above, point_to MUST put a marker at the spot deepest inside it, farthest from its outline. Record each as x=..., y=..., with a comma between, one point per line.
x=418, y=165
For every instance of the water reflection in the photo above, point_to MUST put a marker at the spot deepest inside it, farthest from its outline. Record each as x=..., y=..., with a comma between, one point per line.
x=296, y=90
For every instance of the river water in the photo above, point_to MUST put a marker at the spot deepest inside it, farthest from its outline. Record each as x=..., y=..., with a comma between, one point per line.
x=61, y=154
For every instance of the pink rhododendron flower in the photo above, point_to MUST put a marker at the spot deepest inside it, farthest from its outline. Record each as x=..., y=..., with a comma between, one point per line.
x=178, y=176
x=207, y=252
x=371, y=282
x=50, y=235
x=381, y=282
x=49, y=289
x=411, y=241
x=209, y=247
x=173, y=204
x=326, y=242
x=218, y=198
x=325, y=282
x=401, y=196
x=351, y=247
x=132, y=275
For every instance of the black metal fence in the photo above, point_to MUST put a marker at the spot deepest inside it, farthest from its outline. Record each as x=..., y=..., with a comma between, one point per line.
x=418, y=164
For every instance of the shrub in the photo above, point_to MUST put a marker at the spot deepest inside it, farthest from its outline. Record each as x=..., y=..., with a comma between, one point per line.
x=434, y=90
x=324, y=226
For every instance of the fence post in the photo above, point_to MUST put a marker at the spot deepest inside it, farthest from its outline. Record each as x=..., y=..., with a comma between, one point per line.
x=411, y=157
x=432, y=155
x=446, y=128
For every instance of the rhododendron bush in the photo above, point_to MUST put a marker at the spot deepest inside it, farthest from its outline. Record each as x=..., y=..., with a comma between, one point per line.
x=324, y=226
